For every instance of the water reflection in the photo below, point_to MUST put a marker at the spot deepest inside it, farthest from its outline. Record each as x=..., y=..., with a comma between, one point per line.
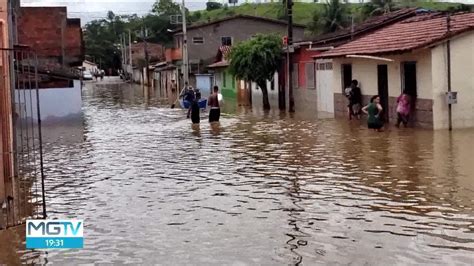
x=266, y=188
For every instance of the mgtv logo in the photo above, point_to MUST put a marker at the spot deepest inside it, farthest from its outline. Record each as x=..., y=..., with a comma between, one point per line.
x=54, y=234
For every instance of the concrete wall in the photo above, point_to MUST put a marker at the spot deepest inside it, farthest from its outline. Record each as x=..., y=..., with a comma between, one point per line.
x=155, y=52
x=462, y=81
x=57, y=105
x=227, y=83
x=239, y=29
x=365, y=71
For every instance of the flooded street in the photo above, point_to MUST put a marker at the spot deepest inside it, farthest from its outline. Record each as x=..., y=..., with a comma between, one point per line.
x=260, y=189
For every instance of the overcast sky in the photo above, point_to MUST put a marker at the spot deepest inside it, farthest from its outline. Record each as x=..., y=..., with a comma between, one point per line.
x=88, y=10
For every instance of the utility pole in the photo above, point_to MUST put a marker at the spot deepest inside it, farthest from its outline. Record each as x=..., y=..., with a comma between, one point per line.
x=291, y=101
x=130, y=53
x=147, y=59
x=185, y=46
x=448, y=47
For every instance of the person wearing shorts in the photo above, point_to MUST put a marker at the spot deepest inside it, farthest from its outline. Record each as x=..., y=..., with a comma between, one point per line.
x=213, y=102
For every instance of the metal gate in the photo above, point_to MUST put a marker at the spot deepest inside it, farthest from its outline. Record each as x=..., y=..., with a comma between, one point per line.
x=23, y=176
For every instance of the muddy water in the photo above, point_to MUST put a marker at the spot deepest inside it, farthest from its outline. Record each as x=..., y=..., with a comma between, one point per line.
x=260, y=189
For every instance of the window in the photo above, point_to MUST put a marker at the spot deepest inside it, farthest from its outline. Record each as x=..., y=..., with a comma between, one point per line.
x=309, y=73
x=233, y=82
x=226, y=41
x=198, y=40
x=295, y=75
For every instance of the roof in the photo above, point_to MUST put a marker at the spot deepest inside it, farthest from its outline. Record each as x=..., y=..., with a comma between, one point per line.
x=240, y=16
x=367, y=26
x=219, y=64
x=221, y=57
x=410, y=34
x=89, y=62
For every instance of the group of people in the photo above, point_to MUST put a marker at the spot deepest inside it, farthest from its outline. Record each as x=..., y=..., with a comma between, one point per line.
x=194, y=96
x=99, y=73
x=374, y=109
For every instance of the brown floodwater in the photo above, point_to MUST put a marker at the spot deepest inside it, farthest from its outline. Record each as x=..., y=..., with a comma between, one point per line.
x=258, y=189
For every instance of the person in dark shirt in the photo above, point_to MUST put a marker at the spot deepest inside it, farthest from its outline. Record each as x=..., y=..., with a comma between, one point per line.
x=213, y=102
x=195, y=118
x=355, y=100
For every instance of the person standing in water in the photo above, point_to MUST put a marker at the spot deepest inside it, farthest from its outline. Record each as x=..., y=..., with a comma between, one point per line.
x=355, y=100
x=213, y=102
x=189, y=97
x=374, y=111
x=195, y=118
x=403, y=109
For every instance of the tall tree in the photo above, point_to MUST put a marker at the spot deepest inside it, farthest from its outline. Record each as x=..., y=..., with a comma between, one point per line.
x=257, y=60
x=166, y=8
x=334, y=16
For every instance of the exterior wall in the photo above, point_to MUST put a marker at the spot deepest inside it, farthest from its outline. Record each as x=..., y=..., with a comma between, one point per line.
x=155, y=52
x=204, y=84
x=462, y=81
x=302, y=57
x=52, y=110
x=164, y=84
x=74, y=54
x=256, y=94
x=240, y=29
x=305, y=94
x=226, y=82
x=47, y=31
x=89, y=66
x=365, y=71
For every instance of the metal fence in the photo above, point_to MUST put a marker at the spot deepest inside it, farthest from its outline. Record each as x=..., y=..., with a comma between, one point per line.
x=24, y=195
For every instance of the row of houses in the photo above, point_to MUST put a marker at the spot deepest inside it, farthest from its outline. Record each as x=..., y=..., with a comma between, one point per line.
x=40, y=48
x=405, y=50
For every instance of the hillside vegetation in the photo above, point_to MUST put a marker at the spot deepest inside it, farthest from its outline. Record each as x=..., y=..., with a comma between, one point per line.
x=304, y=12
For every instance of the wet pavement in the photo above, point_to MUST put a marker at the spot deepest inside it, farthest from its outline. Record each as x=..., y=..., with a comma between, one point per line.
x=259, y=189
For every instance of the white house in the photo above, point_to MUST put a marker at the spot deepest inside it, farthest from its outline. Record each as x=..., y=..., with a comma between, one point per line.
x=412, y=55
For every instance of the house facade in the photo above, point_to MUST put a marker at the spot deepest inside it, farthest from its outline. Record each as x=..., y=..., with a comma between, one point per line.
x=205, y=39
x=411, y=56
x=311, y=78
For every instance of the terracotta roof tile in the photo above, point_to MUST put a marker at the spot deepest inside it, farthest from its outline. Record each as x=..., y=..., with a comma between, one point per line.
x=409, y=34
x=366, y=26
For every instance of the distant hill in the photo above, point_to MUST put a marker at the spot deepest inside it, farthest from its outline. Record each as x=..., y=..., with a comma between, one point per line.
x=303, y=12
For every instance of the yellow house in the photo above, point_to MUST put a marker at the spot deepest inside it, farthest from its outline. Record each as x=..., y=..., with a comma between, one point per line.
x=412, y=55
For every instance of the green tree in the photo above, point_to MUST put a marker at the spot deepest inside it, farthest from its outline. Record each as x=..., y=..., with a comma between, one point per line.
x=257, y=60
x=211, y=5
x=382, y=6
x=166, y=8
x=334, y=16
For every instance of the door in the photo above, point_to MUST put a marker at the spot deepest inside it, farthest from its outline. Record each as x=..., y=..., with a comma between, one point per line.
x=324, y=88
x=346, y=76
x=409, y=78
x=382, y=77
